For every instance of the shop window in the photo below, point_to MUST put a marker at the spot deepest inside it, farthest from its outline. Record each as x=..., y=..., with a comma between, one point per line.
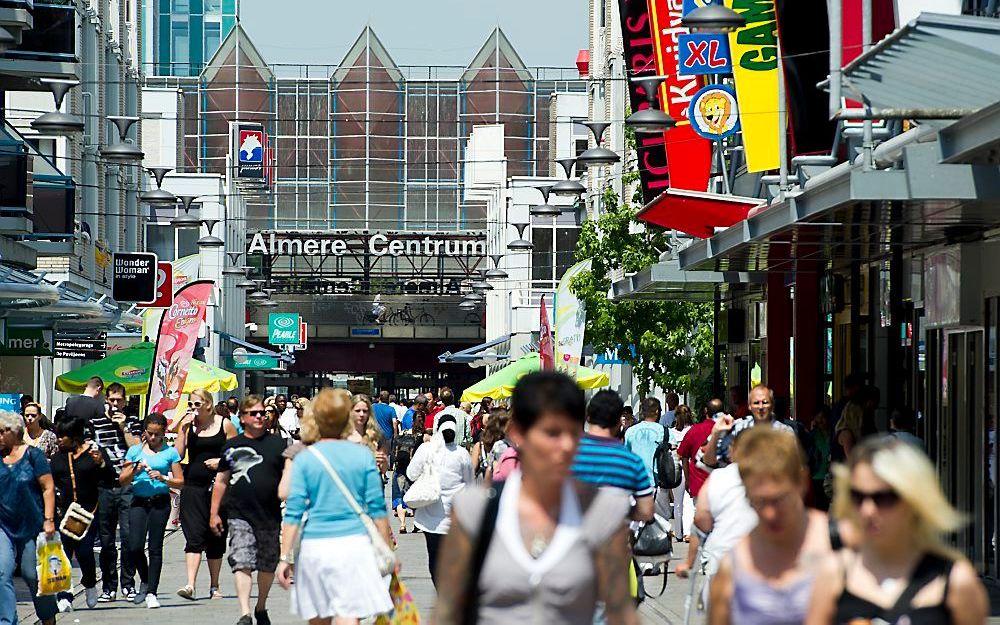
x=52, y=37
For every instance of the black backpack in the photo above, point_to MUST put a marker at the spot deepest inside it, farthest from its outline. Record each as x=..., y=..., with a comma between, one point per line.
x=667, y=472
x=404, y=445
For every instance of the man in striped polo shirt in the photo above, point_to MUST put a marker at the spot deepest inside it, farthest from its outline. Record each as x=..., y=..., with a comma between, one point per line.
x=603, y=460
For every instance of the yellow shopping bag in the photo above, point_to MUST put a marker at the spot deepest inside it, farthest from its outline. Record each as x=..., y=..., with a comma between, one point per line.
x=53, y=567
x=404, y=608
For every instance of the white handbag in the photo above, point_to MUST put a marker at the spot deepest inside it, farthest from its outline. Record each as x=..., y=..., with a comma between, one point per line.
x=426, y=490
x=385, y=557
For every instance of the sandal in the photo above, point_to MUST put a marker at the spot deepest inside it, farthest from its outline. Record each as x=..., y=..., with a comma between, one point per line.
x=186, y=592
x=214, y=593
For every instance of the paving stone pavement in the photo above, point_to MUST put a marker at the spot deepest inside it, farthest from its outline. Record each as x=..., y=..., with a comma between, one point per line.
x=177, y=611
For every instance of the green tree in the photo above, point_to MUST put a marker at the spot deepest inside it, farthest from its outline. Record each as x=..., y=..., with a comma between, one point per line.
x=672, y=340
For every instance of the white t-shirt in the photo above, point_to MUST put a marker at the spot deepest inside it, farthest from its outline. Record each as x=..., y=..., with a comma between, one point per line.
x=454, y=470
x=289, y=419
x=400, y=411
x=732, y=516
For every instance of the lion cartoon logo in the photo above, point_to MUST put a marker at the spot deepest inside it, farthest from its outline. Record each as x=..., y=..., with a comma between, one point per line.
x=715, y=110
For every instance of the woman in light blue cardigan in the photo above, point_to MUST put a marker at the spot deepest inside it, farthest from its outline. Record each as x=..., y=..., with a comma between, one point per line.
x=336, y=575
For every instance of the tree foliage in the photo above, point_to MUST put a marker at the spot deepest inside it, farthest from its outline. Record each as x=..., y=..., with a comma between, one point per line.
x=668, y=343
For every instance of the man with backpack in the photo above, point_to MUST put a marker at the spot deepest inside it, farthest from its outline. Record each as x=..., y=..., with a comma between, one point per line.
x=602, y=459
x=649, y=440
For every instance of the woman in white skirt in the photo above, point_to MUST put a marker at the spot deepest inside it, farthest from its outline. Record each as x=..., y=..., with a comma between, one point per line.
x=336, y=576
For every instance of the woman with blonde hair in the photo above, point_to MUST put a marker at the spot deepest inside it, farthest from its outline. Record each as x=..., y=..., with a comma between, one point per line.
x=365, y=430
x=336, y=575
x=767, y=578
x=201, y=435
x=901, y=572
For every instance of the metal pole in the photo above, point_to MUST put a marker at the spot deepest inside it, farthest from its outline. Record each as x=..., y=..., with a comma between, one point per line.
x=836, y=55
x=782, y=130
x=868, y=139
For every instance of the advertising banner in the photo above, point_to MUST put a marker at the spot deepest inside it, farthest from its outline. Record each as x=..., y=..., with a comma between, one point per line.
x=175, y=343
x=714, y=112
x=688, y=155
x=546, y=352
x=134, y=277
x=754, y=50
x=571, y=319
x=640, y=60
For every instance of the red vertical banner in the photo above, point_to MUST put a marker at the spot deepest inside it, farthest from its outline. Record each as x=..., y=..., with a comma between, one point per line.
x=175, y=343
x=546, y=350
x=689, y=156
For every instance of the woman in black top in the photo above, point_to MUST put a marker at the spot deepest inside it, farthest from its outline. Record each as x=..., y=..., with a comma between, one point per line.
x=201, y=434
x=78, y=469
x=901, y=572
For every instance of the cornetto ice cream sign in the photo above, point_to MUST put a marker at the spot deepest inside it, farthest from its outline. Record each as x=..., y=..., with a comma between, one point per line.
x=378, y=244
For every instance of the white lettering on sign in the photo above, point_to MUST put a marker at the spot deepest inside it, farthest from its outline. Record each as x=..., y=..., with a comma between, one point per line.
x=378, y=245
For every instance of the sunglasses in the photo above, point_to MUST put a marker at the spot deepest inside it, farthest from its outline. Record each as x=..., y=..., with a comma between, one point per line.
x=194, y=404
x=254, y=413
x=882, y=499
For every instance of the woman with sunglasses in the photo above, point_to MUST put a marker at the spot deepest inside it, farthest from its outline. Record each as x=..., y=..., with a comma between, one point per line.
x=152, y=468
x=767, y=579
x=201, y=435
x=901, y=572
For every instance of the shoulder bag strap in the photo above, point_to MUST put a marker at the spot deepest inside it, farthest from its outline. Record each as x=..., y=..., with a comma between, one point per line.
x=470, y=611
x=339, y=482
x=72, y=474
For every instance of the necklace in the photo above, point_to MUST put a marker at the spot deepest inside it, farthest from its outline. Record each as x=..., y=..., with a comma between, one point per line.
x=538, y=545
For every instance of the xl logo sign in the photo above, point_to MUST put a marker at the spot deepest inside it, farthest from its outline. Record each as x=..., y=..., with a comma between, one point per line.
x=703, y=54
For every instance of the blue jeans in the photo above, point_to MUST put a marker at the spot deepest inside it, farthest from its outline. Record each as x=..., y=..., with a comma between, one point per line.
x=10, y=554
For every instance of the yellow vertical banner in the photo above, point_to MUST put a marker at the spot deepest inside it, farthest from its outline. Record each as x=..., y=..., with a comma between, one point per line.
x=754, y=49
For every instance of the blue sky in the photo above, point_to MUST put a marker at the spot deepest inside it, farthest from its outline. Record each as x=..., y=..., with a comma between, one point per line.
x=416, y=32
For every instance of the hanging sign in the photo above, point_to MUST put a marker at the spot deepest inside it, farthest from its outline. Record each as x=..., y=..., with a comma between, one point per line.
x=714, y=112
x=249, y=146
x=283, y=329
x=134, y=277
x=689, y=156
x=571, y=322
x=701, y=53
x=164, y=287
x=754, y=50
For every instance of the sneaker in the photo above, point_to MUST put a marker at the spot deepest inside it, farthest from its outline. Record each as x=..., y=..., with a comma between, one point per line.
x=214, y=593
x=64, y=605
x=187, y=592
x=151, y=602
x=262, y=617
x=92, y=597
x=128, y=594
x=107, y=596
x=140, y=596
x=245, y=620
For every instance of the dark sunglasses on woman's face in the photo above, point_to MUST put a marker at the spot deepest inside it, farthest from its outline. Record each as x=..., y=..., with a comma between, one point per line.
x=254, y=413
x=194, y=404
x=882, y=499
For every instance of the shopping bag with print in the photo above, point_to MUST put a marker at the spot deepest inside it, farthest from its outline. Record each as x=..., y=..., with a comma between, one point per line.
x=404, y=608
x=53, y=567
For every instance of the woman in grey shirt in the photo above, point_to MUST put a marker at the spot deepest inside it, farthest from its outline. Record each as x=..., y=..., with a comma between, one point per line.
x=540, y=547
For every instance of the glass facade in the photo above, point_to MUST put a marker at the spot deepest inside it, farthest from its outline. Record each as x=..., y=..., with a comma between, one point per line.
x=369, y=144
x=186, y=34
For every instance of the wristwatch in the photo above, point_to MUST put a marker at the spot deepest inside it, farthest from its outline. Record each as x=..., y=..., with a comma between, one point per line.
x=288, y=558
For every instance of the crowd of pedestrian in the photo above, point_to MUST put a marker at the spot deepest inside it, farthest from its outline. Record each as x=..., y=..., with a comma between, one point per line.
x=542, y=508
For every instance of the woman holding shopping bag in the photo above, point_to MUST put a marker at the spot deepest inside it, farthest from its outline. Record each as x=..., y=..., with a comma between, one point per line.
x=78, y=469
x=337, y=484
x=27, y=507
x=451, y=466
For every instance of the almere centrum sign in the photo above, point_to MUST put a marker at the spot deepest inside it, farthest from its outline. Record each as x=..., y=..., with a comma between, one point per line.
x=378, y=244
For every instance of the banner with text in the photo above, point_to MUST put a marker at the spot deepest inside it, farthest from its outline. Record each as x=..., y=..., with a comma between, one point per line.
x=688, y=155
x=754, y=49
x=175, y=343
x=571, y=320
x=546, y=351
x=637, y=40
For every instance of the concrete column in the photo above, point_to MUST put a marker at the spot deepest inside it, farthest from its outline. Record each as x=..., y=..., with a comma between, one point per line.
x=779, y=334
x=807, y=344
